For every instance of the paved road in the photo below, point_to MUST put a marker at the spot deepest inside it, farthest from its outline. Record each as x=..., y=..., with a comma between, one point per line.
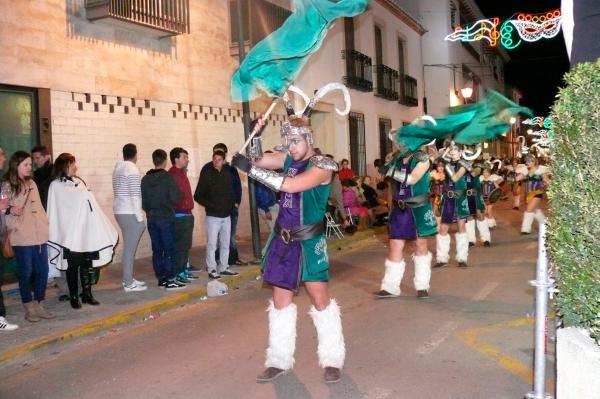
x=471, y=339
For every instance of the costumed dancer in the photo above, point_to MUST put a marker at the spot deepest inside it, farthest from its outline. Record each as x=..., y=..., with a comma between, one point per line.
x=491, y=190
x=514, y=183
x=296, y=251
x=438, y=176
x=411, y=217
x=537, y=178
x=454, y=208
x=476, y=207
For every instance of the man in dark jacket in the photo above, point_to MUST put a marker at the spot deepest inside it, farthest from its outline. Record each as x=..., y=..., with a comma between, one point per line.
x=215, y=193
x=159, y=196
x=236, y=185
x=43, y=173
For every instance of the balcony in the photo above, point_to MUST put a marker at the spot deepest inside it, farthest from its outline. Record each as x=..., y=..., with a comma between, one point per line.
x=359, y=71
x=158, y=18
x=387, y=82
x=408, y=91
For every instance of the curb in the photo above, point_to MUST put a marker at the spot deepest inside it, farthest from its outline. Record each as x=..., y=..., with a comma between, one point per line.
x=169, y=302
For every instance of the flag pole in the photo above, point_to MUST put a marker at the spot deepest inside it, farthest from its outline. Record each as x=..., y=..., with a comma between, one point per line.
x=257, y=127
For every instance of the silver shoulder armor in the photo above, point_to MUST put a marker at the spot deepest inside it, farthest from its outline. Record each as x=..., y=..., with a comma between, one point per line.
x=421, y=156
x=323, y=162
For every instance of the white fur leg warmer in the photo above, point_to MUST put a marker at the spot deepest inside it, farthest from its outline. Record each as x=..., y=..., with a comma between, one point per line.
x=393, y=276
x=328, y=322
x=442, y=250
x=470, y=225
x=462, y=247
x=539, y=216
x=484, y=230
x=527, y=221
x=422, y=271
x=491, y=222
x=282, y=336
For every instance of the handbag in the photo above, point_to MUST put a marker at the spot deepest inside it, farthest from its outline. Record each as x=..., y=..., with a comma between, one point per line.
x=7, y=249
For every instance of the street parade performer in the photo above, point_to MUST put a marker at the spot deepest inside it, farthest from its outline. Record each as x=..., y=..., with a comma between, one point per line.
x=490, y=188
x=537, y=178
x=296, y=251
x=411, y=217
x=476, y=207
x=438, y=176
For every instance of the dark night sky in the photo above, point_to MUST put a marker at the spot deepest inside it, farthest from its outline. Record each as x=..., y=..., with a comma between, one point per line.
x=535, y=68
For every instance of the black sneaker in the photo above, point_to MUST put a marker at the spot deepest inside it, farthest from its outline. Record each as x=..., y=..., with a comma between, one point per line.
x=471, y=244
x=385, y=294
x=462, y=264
x=487, y=244
x=440, y=264
x=214, y=275
x=422, y=294
x=173, y=285
x=228, y=272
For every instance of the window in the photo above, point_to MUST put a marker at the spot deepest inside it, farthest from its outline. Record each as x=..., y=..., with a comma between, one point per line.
x=349, y=33
x=358, y=153
x=385, y=144
x=260, y=18
x=378, y=46
x=18, y=119
x=401, y=61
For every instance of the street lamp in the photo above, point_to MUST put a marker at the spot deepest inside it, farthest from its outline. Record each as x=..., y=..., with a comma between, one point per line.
x=513, y=120
x=466, y=92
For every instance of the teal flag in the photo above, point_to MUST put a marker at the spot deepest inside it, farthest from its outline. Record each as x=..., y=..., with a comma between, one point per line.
x=465, y=124
x=275, y=62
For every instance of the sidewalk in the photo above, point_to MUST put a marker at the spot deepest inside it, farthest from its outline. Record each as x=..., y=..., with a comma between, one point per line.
x=116, y=306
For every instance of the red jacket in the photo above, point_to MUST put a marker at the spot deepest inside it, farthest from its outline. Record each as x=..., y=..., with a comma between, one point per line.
x=345, y=174
x=187, y=201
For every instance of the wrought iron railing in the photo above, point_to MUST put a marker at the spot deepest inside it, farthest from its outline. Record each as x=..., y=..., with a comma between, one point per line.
x=359, y=71
x=169, y=16
x=408, y=91
x=387, y=82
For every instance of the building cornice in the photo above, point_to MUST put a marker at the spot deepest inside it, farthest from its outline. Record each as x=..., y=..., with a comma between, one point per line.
x=402, y=15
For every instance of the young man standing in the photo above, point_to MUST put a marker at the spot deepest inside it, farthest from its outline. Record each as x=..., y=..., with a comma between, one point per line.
x=184, y=219
x=159, y=195
x=127, y=207
x=42, y=175
x=214, y=192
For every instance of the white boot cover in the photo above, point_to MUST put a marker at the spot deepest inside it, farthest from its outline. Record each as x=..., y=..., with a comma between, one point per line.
x=491, y=222
x=462, y=247
x=470, y=225
x=442, y=248
x=393, y=276
x=539, y=216
x=527, y=221
x=484, y=230
x=282, y=336
x=422, y=271
x=328, y=322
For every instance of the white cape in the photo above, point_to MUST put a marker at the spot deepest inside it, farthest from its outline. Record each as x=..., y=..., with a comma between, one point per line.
x=77, y=223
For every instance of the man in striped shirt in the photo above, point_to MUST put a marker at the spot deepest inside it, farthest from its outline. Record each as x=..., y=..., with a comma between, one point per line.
x=127, y=207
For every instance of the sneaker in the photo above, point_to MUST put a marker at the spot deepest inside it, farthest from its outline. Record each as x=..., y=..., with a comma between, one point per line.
x=385, y=294
x=270, y=374
x=486, y=244
x=162, y=283
x=191, y=277
x=173, y=285
x=6, y=326
x=214, y=275
x=138, y=282
x=193, y=269
x=422, y=294
x=182, y=280
x=135, y=287
x=228, y=272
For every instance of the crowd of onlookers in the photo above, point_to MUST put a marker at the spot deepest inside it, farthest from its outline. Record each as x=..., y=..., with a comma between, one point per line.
x=52, y=225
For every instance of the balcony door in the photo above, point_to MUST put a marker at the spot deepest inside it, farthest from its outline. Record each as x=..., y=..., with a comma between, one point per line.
x=358, y=153
x=18, y=119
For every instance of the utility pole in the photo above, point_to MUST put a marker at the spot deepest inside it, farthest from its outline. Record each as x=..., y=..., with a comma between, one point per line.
x=256, y=245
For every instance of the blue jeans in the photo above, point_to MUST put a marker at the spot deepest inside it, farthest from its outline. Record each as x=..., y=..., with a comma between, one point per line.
x=162, y=236
x=33, y=270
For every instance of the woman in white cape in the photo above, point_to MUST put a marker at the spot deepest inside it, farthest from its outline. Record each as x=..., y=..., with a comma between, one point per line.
x=81, y=236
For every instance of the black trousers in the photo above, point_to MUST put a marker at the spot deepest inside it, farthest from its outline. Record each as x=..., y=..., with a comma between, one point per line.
x=79, y=263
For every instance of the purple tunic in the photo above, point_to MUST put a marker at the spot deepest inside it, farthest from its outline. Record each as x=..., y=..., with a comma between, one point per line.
x=402, y=224
x=449, y=207
x=282, y=266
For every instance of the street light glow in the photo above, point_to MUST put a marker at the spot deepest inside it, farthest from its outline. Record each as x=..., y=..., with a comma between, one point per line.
x=466, y=92
x=513, y=120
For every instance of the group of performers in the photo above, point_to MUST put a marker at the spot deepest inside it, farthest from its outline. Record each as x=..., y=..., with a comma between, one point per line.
x=463, y=189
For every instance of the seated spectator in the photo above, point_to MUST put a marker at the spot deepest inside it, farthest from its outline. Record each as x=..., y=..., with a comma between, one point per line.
x=351, y=203
x=345, y=172
x=377, y=207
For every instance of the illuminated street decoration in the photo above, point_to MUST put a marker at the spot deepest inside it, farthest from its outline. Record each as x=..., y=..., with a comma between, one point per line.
x=537, y=121
x=521, y=27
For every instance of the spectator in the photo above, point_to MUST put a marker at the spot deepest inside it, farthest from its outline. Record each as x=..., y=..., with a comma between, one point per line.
x=159, y=195
x=127, y=207
x=215, y=193
x=81, y=236
x=352, y=204
x=378, y=208
x=336, y=196
x=267, y=205
x=184, y=219
x=43, y=172
x=4, y=324
x=27, y=224
x=345, y=172
x=234, y=257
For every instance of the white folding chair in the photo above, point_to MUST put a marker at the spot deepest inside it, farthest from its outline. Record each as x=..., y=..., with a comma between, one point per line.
x=332, y=226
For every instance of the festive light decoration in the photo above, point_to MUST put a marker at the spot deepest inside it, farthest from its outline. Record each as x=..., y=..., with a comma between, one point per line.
x=520, y=27
x=538, y=120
